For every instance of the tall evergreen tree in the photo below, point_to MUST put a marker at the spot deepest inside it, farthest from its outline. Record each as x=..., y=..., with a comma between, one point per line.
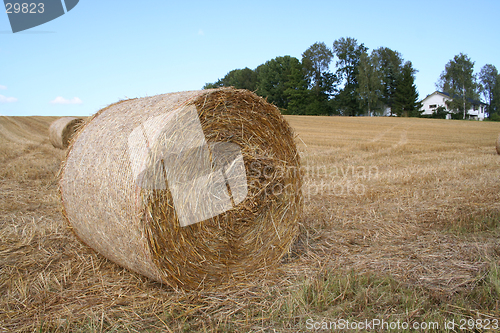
x=459, y=81
x=296, y=92
x=406, y=102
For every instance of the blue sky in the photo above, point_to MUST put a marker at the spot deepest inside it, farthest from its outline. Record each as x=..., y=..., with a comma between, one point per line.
x=104, y=51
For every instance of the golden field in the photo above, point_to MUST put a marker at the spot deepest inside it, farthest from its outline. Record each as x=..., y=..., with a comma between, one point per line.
x=401, y=223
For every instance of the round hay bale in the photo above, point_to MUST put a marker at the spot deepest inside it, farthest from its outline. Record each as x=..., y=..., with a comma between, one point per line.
x=498, y=145
x=62, y=130
x=191, y=189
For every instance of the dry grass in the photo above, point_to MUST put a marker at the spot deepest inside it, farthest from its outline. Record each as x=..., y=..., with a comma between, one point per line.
x=401, y=222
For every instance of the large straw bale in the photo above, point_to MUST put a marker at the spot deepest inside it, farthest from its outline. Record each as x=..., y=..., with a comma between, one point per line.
x=134, y=220
x=62, y=130
x=498, y=145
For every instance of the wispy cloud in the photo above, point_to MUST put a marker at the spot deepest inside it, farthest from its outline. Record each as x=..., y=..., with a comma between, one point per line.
x=3, y=87
x=62, y=100
x=5, y=99
x=201, y=32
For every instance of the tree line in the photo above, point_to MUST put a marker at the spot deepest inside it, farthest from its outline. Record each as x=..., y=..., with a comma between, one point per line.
x=361, y=82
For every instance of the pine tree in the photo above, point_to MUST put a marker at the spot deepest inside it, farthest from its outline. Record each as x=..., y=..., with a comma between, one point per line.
x=296, y=94
x=406, y=96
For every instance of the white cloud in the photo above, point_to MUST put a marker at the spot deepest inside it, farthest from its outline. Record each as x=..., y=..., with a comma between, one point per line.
x=5, y=99
x=3, y=87
x=62, y=100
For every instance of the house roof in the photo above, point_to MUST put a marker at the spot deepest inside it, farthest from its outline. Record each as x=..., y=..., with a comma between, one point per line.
x=470, y=100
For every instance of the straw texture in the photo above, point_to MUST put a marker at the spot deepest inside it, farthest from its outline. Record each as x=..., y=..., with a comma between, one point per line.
x=498, y=145
x=138, y=226
x=62, y=130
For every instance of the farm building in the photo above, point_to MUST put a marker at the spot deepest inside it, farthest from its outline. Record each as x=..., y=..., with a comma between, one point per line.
x=438, y=98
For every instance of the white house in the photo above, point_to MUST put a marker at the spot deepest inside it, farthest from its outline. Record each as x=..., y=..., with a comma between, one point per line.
x=438, y=98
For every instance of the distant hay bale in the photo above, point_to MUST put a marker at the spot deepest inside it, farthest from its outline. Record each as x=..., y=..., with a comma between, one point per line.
x=221, y=162
x=498, y=145
x=62, y=130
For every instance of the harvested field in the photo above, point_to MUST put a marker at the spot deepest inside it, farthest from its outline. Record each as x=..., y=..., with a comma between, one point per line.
x=401, y=222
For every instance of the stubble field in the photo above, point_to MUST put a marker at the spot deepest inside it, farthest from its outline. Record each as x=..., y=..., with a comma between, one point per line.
x=401, y=223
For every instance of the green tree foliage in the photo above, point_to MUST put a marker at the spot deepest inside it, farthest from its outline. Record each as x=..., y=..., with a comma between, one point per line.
x=406, y=102
x=488, y=78
x=296, y=92
x=389, y=64
x=239, y=78
x=459, y=81
x=370, y=87
x=316, y=62
x=212, y=85
x=282, y=81
x=348, y=53
x=495, y=102
x=440, y=113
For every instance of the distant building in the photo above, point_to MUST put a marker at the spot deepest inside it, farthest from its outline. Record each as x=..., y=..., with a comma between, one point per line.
x=438, y=98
